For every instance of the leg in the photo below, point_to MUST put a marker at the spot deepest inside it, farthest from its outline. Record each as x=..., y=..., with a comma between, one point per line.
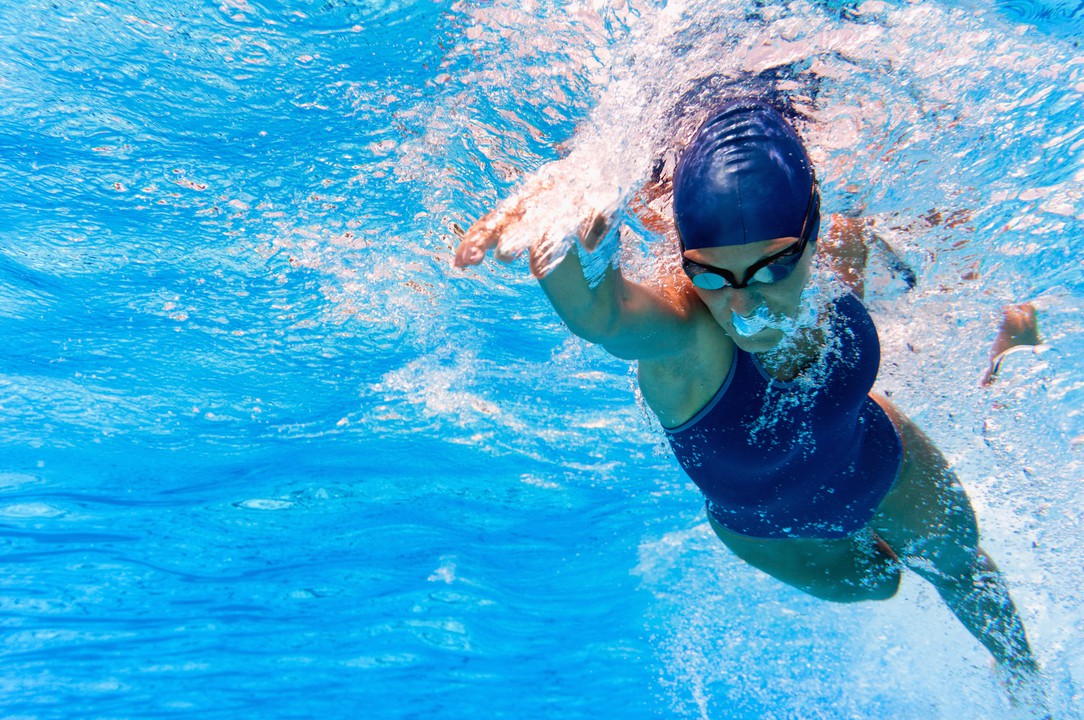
x=928, y=520
x=845, y=570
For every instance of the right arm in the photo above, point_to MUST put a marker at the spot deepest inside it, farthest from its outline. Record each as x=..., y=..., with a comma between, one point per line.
x=683, y=354
x=629, y=320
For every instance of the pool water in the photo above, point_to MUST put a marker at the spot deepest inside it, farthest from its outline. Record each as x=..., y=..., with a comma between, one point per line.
x=265, y=453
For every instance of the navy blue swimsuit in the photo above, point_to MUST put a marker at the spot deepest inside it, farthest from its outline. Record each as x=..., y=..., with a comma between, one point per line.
x=809, y=458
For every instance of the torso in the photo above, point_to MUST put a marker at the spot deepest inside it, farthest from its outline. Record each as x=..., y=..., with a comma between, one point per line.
x=814, y=467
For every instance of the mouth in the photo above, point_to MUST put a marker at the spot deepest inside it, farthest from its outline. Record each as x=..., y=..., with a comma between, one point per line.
x=747, y=326
x=761, y=320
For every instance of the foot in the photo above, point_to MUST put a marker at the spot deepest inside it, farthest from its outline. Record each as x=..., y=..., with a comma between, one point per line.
x=1019, y=329
x=1026, y=687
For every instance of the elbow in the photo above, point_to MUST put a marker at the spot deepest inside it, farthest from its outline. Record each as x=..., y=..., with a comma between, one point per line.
x=592, y=333
x=596, y=328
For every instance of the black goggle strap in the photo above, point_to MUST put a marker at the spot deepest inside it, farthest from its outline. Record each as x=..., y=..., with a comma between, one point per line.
x=811, y=210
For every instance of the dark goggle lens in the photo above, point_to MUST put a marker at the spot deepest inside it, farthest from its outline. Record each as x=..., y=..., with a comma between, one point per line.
x=776, y=271
x=709, y=281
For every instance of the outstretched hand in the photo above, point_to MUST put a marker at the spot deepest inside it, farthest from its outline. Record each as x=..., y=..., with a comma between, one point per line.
x=545, y=253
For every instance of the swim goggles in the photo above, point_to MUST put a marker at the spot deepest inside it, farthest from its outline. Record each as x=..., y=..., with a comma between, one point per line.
x=771, y=269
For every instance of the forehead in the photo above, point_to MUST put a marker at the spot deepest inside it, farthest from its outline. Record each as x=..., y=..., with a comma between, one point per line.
x=738, y=256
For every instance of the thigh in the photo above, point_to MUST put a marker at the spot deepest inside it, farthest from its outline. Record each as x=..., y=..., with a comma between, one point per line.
x=844, y=570
x=927, y=518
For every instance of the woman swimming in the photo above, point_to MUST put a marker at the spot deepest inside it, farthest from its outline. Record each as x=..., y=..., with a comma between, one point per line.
x=762, y=385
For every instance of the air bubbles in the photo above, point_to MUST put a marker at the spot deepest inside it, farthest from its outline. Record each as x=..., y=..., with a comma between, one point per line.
x=445, y=573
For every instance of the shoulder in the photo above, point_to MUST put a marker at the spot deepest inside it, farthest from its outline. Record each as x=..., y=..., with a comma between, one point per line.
x=677, y=385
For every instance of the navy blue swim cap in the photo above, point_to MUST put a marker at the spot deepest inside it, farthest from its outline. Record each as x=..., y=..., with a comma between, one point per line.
x=744, y=178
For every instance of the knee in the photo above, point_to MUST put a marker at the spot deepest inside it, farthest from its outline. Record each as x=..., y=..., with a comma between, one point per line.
x=957, y=573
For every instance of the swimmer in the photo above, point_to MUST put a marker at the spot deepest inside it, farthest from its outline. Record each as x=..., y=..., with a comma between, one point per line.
x=762, y=383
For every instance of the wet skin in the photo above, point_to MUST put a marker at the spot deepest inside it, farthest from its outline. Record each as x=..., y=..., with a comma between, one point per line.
x=925, y=522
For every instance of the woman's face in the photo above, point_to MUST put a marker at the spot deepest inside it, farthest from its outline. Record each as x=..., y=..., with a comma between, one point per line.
x=779, y=298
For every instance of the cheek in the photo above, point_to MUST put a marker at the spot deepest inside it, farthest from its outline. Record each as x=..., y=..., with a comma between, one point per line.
x=714, y=302
x=718, y=305
x=786, y=296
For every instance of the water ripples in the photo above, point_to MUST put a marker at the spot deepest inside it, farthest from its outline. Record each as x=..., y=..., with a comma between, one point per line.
x=242, y=389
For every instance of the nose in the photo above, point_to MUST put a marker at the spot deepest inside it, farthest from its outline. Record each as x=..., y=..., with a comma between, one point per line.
x=742, y=302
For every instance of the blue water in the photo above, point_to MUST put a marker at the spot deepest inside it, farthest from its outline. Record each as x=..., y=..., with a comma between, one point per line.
x=264, y=453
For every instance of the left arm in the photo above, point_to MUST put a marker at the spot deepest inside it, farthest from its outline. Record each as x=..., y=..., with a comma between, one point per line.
x=846, y=248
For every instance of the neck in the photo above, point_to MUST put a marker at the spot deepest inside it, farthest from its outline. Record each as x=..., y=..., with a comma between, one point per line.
x=793, y=355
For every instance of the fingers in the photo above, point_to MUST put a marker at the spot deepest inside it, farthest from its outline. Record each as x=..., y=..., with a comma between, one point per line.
x=543, y=256
x=539, y=259
x=546, y=254
x=477, y=241
x=504, y=255
x=471, y=251
x=485, y=235
x=502, y=232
